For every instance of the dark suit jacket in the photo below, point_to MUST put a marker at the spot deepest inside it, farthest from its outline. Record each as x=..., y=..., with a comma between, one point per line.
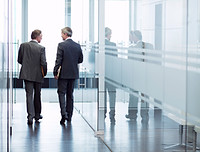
x=32, y=57
x=69, y=55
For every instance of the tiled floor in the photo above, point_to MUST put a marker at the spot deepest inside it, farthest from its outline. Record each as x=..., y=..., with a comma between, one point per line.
x=154, y=135
x=50, y=136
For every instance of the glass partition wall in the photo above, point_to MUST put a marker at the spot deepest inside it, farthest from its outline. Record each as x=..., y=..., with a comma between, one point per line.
x=6, y=88
x=84, y=21
x=192, y=78
x=150, y=52
x=152, y=75
x=140, y=59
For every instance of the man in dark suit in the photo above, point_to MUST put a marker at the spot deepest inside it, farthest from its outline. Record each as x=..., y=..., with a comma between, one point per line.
x=34, y=67
x=69, y=55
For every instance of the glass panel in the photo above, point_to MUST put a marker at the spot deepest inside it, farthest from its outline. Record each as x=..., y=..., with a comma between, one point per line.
x=3, y=95
x=115, y=95
x=147, y=72
x=193, y=77
x=174, y=105
x=15, y=44
x=5, y=74
x=84, y=22
x=151, y=68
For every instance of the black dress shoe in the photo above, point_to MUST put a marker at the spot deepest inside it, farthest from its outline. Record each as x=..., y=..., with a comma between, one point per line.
x=30, y=122
x=38, y=118
x=62, y=121
x=131, y=117
x=68, y=118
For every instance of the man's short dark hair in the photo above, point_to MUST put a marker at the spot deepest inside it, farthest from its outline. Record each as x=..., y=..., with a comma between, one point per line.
x=35, y=34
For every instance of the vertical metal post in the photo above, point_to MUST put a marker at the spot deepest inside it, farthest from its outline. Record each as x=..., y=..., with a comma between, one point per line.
x=194, y=140
x=24, y=20
x=101, y=67
x=85, y=79
x=180, y=134
x=10, y=70
x=132, y=15
x=68, y=13
x=91, y=21
x=132, y=12
x=8, y=76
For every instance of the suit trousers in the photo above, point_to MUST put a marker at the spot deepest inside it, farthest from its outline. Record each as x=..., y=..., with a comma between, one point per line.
x=65, y=94
x=112, y=96
x=33, y=99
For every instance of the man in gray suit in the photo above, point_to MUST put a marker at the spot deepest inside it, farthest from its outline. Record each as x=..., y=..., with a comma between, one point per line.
x=34, y=67
x=69, y=55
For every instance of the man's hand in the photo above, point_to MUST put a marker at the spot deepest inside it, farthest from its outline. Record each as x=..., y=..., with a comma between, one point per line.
x=56, y=77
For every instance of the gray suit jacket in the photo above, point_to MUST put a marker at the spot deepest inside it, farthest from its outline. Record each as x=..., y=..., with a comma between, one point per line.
x=69, y=55
x=32, y=57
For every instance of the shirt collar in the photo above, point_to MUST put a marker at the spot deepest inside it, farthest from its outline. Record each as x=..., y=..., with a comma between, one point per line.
x=68, y=38
x=34, y=40
x=107, y=39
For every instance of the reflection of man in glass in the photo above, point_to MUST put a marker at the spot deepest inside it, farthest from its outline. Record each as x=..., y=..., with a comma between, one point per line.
x=135, y=38
x=109, y=87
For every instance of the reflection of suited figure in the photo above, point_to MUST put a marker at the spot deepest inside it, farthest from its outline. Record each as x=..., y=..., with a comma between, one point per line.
x=109, y=87
x=91, y=58
x=32, y=57
x=136, y=37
